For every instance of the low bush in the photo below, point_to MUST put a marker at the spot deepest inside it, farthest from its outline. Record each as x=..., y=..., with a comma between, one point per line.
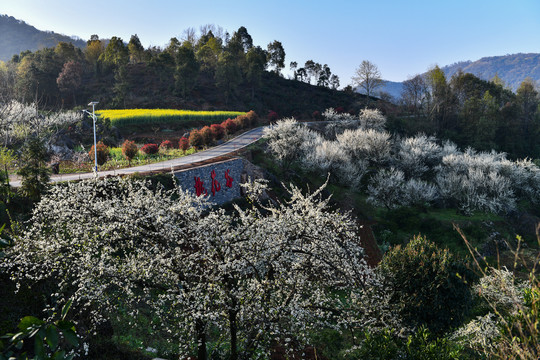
x=102, y=153
x=252, y=117
x=150, y=149
x=242, y=121
x=183, y=144
x=129, y=150
x=230, y=126
x=206, y=135
x=272, y=116
x=218, y=132
x=166, y=144
x=196, y=139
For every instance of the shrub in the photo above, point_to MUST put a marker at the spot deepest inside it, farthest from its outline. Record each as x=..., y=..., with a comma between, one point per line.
x=195, y=139
x=129, y=150
x=183, y=144
x=428, y=283
x=102, y=153
x=206, y=135
x=167, y=144
x=419, y=345
x=511, y=329
x=252, y=117
x=150, y=149
x=272, y=116
x=218, y=132
x=242, y=122
x=230, y=126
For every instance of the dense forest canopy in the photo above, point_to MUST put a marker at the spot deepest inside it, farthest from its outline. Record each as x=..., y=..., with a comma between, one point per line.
x=204, y=69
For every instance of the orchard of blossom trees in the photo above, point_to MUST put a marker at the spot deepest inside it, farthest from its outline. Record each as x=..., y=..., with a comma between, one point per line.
x=405, y=171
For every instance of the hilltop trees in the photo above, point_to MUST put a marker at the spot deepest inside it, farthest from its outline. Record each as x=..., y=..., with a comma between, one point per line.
x=115, y=54
x=92, y=52
x=276, y=56
x=187, y=69
x=122, y=74
x=368, y=77
x=135, y=50
x=228, y=74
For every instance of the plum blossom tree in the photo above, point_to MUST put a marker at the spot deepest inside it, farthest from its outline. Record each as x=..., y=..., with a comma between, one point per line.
x=288, y=139
x=366, y=144
x=372, y=119
x=476, y=181
x=418, y=154
x=390, y=188
x=329, y=157
x=254, y=275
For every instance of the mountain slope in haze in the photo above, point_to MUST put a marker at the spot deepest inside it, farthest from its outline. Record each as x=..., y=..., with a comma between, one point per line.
x=17, y=36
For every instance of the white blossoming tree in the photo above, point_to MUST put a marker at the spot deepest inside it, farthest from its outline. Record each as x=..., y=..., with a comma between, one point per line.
x=18, y=121
x=389, y=188
x=417, y=154
x=288, y=140
x=372, y=119
x=256, y=275
x=366, y=144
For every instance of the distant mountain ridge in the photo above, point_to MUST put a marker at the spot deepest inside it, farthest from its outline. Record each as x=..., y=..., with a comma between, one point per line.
x=17, y=36
x=512, y=69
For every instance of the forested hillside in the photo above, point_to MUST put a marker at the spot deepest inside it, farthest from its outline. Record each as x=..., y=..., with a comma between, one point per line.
x=511, y=69
x=206, y=70
x=18, y=36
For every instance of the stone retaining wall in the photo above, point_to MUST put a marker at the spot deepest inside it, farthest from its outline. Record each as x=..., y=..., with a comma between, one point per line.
x=220, y=182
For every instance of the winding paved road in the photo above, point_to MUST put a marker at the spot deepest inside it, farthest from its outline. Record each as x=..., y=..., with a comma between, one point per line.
x=230, y=146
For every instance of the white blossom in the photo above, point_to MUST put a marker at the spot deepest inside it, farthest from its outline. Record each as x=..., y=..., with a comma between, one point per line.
x=271, y=270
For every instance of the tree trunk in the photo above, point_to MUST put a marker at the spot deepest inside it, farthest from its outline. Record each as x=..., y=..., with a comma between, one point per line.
x=233, y=329
x=201, y=340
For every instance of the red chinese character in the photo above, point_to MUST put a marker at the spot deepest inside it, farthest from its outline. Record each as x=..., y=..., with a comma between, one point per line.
x=199, y=188
x=216, y=186
x=228, y=178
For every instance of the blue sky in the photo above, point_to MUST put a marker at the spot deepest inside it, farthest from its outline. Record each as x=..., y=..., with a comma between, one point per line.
x=402, y=37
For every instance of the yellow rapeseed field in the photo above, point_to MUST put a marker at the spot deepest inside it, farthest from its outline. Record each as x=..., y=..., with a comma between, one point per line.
x=162, y=116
